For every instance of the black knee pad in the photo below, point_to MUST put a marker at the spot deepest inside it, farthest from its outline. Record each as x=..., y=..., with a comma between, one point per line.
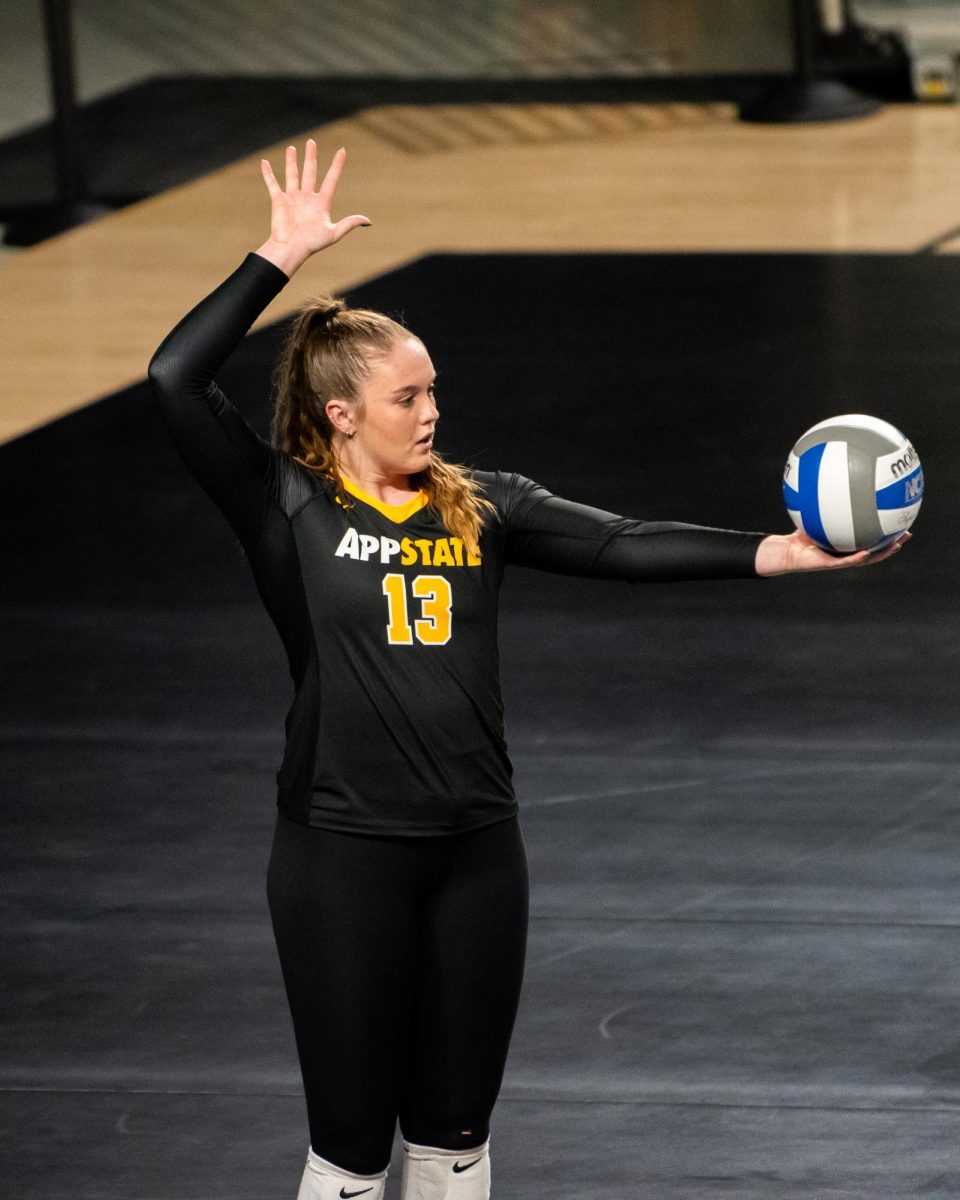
x=352, y=1156
x=446, y=1137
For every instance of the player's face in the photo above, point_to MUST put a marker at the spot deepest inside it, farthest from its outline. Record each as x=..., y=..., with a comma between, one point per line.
x=396, y=415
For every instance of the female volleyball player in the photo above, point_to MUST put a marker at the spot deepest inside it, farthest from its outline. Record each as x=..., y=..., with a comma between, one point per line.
x=397, y=882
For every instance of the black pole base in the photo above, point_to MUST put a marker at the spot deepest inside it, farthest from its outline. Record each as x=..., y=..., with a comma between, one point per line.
x=797, y=100
x=31, y=225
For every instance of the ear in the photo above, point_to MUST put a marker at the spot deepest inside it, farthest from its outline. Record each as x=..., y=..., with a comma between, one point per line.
x=341, y=414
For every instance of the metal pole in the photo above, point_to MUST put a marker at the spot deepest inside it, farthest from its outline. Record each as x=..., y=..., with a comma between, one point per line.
x=72, y=204
x=805, y=96
x=67, y=142
x=803, y=35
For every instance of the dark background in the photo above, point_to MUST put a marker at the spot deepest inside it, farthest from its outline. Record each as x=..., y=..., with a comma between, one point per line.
x=739, y=798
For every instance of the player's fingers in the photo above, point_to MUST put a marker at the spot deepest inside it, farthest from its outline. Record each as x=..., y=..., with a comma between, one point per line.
x=308, y=180
x=875, y=556
x=290, y=164
x=270, y=179
x=332, y=178
x=342, y=228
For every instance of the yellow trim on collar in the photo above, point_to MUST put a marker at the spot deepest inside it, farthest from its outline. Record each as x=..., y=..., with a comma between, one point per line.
x=397, y=513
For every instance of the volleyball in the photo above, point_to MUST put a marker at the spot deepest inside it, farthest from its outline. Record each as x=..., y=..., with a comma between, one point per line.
x=853, y=483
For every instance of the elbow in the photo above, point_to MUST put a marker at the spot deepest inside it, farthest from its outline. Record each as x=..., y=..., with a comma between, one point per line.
x=157, y=372
x=165, y=379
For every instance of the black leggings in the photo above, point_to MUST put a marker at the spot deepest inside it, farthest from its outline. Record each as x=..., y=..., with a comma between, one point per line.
x=402, y=959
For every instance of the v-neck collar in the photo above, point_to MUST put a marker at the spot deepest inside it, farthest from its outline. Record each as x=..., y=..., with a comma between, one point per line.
x=398, y=513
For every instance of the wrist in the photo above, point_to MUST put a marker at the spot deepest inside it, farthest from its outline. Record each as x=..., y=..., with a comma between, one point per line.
x=771, y=555
x=288, y=258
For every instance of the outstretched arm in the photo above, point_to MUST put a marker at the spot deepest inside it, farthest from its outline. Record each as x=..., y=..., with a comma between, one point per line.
x=228, y=458
x=553, y=534
x=233, y=464
x=545, y=531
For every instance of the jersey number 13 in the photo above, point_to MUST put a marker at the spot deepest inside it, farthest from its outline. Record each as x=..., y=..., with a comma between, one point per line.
x=435, y=623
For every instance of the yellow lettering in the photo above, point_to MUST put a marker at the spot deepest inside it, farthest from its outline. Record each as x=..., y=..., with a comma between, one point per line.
x=424, y=545
x=473, y=560
x=436, y=602
x=435, y=624
x=442, y=556
x=399, y=632
x=457, y=544
x=408, y=553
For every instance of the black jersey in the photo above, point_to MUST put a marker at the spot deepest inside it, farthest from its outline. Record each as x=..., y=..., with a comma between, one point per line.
x=388, y=621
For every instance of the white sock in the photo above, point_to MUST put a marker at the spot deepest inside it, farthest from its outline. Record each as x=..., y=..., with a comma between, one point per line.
x=323, y=1181
x=433, y=1174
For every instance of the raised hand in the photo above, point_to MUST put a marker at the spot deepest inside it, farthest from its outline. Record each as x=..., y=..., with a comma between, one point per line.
x=300, y=220
x=780, y=554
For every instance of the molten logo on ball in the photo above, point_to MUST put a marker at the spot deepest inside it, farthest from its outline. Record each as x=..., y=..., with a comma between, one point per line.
x=853, y=483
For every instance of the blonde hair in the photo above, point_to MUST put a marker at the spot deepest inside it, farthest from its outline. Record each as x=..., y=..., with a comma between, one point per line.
x=328, y=352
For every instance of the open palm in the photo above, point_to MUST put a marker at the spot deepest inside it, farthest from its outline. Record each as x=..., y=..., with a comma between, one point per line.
x=300, y=219
x=780, y=554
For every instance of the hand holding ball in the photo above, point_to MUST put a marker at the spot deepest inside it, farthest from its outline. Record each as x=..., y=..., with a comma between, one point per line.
x=853, y=483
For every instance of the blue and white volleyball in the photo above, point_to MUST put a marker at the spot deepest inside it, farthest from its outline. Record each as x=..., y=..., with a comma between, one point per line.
x=853, y=483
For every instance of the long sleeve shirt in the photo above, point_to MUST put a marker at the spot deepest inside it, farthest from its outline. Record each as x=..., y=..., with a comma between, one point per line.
x=388, y=621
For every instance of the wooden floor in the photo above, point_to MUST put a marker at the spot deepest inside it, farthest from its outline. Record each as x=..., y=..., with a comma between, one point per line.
x=83, y=312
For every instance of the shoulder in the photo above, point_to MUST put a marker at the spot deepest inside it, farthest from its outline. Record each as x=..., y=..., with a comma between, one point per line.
x=298, y=484
x=503, y=485
x=506, y=485
x=510, y=494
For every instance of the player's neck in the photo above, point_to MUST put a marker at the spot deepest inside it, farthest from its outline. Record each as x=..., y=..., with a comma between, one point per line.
x=371, y=477
x=393, y=490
